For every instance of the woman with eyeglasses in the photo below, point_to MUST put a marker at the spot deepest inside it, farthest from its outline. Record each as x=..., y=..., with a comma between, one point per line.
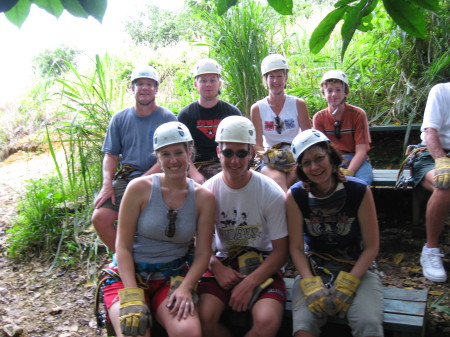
x=346, y=126
x=278, y=118
x=160, y=214
x=333, y=242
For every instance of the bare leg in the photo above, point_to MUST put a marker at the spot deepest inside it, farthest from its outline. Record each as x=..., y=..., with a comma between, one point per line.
x=267, y=316
x=103, y=221
x=210, y=310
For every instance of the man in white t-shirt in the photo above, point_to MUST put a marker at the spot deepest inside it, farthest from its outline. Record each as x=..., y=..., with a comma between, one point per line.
x=431, y=170
x=251, y=228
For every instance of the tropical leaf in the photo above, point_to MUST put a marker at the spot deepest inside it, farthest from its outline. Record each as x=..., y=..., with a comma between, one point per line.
x=322, y=33
x=283, y=7
x=19, y=13
x=53, y=7
x=352, y=21
x=95, y=8
x=74, y=7
x=432, y=5
x=408, y=16
x=6, y=5
x=223, y=5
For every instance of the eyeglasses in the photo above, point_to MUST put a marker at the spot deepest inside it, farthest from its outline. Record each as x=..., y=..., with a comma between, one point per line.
x=337, y=129
x=307, y=164
x=170, y=229
x=228, y=153
x=278, y=124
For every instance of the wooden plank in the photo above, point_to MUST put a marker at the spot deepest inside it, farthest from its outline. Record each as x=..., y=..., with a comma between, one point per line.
x=404, y=307
x=412, y=324
x=406, y=294
x=391, y=127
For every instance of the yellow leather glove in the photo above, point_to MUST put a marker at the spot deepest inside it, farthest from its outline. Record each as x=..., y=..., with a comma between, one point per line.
x=317, y=296
x=135, y=317
x=442, y=173
x=343, y=291
x=347, y=172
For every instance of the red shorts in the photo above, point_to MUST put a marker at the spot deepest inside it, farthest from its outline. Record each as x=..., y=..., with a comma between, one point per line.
x=155, y=294
x=277, y=290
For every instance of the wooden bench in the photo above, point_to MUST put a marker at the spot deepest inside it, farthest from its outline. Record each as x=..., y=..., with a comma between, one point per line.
x=404, y=310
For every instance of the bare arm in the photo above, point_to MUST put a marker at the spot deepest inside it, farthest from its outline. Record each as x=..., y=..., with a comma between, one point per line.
x=110, y=163
x=434, y=144
x=154, y=169
x=370, y=233
x=133, y=201
x=303, y=116
x=256, y=120
x=296, y=243
x=359, y=158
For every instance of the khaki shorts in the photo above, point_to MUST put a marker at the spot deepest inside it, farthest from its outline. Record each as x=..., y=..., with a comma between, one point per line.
x=119, y=185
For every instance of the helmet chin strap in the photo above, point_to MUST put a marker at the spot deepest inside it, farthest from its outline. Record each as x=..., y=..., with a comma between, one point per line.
x=337, y=108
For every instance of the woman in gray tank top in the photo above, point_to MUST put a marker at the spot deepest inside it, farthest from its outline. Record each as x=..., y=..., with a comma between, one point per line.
x=159, y=216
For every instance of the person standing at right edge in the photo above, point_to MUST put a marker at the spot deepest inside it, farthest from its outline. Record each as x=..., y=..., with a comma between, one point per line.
x=431, y=169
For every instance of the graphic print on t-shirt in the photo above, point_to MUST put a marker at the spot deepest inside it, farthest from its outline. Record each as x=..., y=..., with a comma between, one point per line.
x=235, y=231
x=208, y=127
x=269, y=125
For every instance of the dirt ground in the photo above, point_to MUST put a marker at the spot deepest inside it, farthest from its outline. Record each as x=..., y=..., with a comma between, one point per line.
x=37, y=301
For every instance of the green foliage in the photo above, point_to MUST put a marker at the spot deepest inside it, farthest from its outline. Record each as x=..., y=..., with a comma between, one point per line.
x=40, y=220
x=16, y=11
x=53, y=63
x=232, y=38
x=409, y=15
x=155, y=27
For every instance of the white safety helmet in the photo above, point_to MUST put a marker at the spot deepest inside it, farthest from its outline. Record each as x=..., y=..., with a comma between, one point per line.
x=236, y=129
x=334, y=75
x=171, y=133
x=305, y=139
x=144, y=72
x=206, y=66
x=273, y=62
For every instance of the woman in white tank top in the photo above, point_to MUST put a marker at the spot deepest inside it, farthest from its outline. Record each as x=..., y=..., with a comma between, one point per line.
x=279, y=117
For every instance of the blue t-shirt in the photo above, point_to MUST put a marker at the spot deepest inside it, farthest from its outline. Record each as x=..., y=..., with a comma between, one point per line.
x=131, y=137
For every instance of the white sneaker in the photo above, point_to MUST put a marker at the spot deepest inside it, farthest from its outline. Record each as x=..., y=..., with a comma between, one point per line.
x=432, y=267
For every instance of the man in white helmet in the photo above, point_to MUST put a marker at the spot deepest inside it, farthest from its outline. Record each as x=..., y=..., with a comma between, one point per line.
x=431, y=169
x=128, y=146
x=345, y=125
x=250, y=238
x=203, y=116
x=278, y=118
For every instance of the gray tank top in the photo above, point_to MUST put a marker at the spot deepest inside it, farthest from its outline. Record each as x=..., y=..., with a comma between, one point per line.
x=151, y=245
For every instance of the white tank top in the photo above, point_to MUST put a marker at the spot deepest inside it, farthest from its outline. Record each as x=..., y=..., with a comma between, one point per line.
x=288, y=122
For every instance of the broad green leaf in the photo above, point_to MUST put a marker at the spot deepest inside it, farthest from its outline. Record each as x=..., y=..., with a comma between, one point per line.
x=18, y=14
x=74, y=7
x=322, y=33
x=223, y=5
x=6, y=5
x=432, y=5
x=53, y=7
x=95, y=8
x=352, y=21
x=409, y=17
x=283, y=7
x=369, y=8
x=343, y=3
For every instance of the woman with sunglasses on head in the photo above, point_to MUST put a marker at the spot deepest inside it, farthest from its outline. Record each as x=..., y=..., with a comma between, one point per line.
x=346, y=126
x=278, y=118
x=333, y=242
x=159, y=216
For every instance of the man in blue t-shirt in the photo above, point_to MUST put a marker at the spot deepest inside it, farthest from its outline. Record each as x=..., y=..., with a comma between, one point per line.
x=128, y=146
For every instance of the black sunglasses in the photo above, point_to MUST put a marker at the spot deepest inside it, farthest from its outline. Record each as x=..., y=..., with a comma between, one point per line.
x=170, y=229
x=278, y=125
x=228, y=153
x=337, y=129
